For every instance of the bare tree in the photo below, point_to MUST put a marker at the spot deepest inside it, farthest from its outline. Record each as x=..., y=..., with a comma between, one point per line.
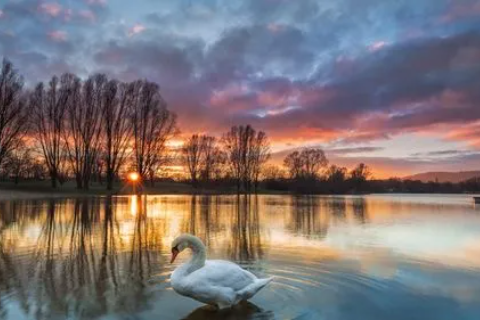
x=306, y=164
x=153, y=126
x=293, y=163
x=247, y=152
x=191, y=157
x=260, y=154
x=18, y=162
x=117, y=127
x=84, y=125
x=13, y=122
x=49, y=107
x=213, y=158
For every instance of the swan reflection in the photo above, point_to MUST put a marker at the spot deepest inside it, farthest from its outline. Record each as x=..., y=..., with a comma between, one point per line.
x=243, y=311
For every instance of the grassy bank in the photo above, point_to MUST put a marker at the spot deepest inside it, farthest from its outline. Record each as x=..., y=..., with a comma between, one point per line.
x=38, y=189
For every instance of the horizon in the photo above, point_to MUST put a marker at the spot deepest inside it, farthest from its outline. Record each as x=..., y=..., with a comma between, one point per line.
x=387, y=83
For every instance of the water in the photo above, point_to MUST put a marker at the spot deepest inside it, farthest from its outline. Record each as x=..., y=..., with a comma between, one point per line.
x=373, y=257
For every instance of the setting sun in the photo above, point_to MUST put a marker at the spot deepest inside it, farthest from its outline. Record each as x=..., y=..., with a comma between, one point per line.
x=133, y=176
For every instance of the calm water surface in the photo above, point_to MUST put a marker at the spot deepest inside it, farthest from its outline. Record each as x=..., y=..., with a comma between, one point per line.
x=374, y=257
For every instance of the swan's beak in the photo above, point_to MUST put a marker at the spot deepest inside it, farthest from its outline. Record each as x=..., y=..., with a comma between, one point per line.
x=174, y=254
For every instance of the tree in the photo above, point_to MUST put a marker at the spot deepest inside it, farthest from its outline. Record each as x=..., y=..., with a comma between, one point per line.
x=336, y=174
x=247, y=152
x=305, y=164
x=117, y=127
x=359, y=175
x=49, y=107
x=192, y=151
x=212, y=158
x=13, y=116
x=85, y=106
x=293, y=163
x=18, y=163
x=260, y=154
x=153, y=125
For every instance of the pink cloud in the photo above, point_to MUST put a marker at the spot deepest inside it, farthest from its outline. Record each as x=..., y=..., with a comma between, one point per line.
x=377, y=45
x=136, y=29
x=87, y=15
x=67, y=14
x=52, y=9
x=275, y=28
x=57, y=36
x=458, y=10
x=96, y=2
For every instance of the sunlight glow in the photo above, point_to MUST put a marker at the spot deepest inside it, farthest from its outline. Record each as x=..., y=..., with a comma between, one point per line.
x=133, y=176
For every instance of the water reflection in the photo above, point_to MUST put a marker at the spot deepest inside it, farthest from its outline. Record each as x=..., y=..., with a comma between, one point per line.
x=91, y=258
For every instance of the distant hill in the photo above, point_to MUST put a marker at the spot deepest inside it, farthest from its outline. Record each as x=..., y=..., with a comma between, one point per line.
x=444, y=176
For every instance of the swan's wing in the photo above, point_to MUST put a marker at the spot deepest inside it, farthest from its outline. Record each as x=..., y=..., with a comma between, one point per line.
x=218, y=273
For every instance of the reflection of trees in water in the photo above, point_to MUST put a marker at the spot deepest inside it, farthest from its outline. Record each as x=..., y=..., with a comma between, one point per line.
x=83, y=266
x=246, y=242
x=307, y=219
x=360, y=210
x=337, y=208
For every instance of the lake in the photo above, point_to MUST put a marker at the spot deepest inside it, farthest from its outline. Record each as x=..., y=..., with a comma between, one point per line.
x=372, y=257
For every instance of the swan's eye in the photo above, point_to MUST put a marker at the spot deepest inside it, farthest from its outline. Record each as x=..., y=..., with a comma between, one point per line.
x=175, y=249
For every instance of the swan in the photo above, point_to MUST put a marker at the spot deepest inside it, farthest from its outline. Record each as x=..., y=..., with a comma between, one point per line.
x=214, y=282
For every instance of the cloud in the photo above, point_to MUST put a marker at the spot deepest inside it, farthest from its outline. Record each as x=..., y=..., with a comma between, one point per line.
x=136, y=29
x=50, y=8
x=58, y=35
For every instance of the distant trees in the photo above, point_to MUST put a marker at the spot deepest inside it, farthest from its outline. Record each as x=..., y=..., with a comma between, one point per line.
x=213, y=158
x=359, y=175
x=191, y=157
x=247, y=152
x=202, y=158
x=13, y=115
x=305, y=164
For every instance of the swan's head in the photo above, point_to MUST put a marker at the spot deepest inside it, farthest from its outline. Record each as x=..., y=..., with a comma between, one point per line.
x=183, y=242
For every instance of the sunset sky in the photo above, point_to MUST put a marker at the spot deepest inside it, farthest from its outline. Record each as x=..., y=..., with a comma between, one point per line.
x=392, y=83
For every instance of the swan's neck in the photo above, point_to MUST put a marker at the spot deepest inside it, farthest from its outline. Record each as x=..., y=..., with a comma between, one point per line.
x=199, y=255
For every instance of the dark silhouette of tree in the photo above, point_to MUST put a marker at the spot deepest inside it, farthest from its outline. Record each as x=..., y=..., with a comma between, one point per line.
x=359, y=176
x=305, y=164
x=13, y=116
x=18, y=162
x=247, y=152
x=192, y=151
x=84, y=125
x=117, y=127
x=213, y=158
x=153, y=126
x=48, y=106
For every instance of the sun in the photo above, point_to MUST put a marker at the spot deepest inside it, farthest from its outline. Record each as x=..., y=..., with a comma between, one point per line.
x=133, y=176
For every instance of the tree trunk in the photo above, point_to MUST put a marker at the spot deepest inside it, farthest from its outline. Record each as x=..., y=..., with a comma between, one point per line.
x=53, y=177
x=78, y=179
x=109, y=179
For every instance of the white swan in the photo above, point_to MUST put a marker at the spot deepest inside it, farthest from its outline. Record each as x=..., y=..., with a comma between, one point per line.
x=214, y=282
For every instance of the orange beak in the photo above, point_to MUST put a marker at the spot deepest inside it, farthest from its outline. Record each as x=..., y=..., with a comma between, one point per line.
x=174, y=254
